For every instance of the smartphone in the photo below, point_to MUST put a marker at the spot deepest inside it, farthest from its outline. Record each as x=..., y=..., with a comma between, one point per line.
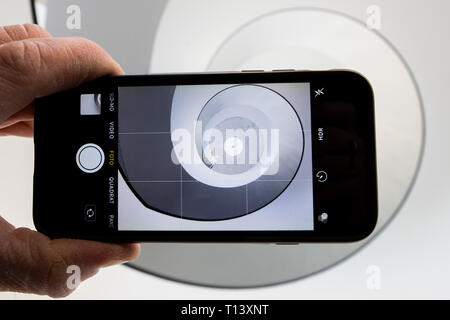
x=278, y=157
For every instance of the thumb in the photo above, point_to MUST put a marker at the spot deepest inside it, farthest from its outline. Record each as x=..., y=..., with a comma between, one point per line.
x=32, y=263
x=38, y=67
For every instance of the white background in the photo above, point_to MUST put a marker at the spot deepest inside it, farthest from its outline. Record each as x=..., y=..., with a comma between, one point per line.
x=413, y=253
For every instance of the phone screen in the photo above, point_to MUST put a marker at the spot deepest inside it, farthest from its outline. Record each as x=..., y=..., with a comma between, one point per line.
x=228, y=157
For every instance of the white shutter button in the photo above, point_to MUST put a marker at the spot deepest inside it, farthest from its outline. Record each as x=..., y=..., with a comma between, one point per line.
x=90, y=158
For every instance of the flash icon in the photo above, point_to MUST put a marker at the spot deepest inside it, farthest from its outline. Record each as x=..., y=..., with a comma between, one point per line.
x=319, y=92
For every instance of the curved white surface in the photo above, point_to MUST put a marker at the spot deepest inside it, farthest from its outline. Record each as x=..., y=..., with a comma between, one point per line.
x=264, y=107
x=299, y=38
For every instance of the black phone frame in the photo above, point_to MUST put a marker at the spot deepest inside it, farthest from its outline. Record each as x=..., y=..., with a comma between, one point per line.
x=357, y=209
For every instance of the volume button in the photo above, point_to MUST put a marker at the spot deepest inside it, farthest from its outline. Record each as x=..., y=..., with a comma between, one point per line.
x=283, y=70
x=252, y=71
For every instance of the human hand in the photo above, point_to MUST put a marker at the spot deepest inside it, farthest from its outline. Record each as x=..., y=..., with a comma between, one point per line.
x=33, y=65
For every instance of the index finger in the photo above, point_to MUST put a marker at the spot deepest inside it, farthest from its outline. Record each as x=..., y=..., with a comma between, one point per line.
x=34, y=68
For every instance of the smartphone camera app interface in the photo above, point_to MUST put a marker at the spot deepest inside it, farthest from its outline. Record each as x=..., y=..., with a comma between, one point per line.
x=214, y=158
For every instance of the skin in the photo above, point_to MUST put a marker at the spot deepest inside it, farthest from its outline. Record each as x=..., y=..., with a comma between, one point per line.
x=33, y=65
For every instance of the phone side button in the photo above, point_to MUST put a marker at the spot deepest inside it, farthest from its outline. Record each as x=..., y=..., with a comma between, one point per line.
x=252, y=71
x=283, y=70
x=287, y=243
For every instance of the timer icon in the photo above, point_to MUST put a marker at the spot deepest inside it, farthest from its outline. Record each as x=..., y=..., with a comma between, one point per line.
x=321, y=176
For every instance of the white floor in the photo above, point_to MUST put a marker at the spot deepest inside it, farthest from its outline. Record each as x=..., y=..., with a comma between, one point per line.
x=412, y=254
